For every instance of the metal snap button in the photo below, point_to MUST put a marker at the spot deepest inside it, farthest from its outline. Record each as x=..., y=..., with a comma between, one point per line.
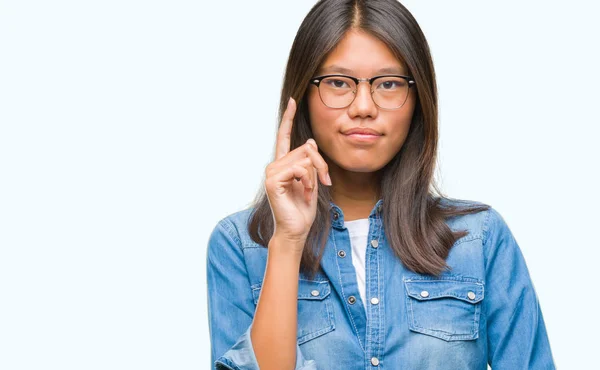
x=424, y=294
x=374, y=300
x=374, y=243
x=314, y=293
x=471, y=295
x=336, y=215
x=342, y=254
x=351, y=299
x=375, y=361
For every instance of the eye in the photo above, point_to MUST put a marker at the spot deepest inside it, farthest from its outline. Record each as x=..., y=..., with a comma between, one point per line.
x=389, y=85
x=336, y=83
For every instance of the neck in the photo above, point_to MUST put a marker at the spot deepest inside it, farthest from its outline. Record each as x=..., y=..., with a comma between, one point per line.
x=354, y=192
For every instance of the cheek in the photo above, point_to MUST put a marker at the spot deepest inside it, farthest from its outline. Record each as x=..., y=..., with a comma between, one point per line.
x=411, y=103
x=322, y=119
x=402, y=120
x=399, y=130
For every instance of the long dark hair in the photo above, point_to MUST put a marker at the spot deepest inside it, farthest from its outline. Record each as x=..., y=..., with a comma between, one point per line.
x=413, y=212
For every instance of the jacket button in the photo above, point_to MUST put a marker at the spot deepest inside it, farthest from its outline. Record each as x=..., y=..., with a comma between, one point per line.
x=471, y=295
x=374, y=243
x=336, y=215
x=374, y=361
x=314, y=293
x=424, y=294
x=351, y=299
x=374, y=300
x=342, y=254
x=379, y=208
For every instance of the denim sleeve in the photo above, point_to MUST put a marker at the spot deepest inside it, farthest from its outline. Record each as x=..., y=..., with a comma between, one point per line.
x=517, y=337
x=231, y=305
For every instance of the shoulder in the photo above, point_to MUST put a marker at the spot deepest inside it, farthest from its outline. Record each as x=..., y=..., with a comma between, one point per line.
x=487, y=237
x=234, y=227
x=474, y=222
x=484, y=224
x=489, y=226
x=231, y=250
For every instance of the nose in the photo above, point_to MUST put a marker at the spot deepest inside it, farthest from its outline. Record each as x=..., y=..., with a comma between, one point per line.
x=363, y=104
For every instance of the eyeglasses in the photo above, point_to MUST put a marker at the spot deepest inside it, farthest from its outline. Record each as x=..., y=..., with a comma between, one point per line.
x=339, y=91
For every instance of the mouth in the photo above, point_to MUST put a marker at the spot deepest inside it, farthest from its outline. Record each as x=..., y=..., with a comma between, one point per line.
x=362, y=131
x=362, y=138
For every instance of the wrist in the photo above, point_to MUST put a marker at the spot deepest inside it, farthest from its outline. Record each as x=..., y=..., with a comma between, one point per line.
x=285, y=246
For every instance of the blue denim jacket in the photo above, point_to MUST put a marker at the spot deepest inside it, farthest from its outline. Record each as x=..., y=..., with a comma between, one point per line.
x=484, y=311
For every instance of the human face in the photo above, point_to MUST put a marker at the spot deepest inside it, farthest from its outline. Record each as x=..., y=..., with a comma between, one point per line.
x=361, y=55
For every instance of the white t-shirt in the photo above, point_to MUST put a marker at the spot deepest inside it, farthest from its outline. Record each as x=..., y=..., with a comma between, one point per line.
x=359, y=232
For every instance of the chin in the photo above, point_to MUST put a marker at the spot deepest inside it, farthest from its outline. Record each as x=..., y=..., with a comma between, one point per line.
x=360, y=166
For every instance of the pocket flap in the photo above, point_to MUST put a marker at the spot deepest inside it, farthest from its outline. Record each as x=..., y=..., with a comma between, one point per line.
x=313, y=289
x=422, y=290
x=307, y=289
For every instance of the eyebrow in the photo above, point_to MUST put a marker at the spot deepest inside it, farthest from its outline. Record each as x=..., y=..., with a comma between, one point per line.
x=339, y=69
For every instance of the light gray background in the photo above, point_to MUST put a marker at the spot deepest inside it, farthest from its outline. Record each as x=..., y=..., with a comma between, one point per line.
x=129, y=128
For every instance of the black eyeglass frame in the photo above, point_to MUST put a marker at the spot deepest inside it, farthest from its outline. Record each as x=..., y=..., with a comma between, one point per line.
x=317, y=81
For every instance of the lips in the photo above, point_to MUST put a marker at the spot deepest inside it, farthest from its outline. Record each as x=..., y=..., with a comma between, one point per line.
x=362, y=136
x=362, y=131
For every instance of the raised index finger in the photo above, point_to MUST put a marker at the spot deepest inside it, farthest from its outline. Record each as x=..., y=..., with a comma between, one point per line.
x=282, y=146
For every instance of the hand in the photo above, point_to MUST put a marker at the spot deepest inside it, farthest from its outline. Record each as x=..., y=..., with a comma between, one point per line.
x=291, y=182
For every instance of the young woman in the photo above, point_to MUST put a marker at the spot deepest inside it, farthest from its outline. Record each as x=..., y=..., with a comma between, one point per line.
x=351, y=258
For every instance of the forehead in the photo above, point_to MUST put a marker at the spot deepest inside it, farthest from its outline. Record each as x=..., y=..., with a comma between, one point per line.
x=359, y=53
x=334, y=68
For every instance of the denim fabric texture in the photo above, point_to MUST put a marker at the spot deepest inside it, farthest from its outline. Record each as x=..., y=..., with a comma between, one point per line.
x=483, y=311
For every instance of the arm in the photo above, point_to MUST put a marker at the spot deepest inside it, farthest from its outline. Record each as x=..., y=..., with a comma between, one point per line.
x=517, y=337
x=231, y=306
x=276, y=321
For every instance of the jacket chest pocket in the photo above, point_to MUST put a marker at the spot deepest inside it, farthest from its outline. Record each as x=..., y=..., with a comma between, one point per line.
x=315, y=310
x=448, y=308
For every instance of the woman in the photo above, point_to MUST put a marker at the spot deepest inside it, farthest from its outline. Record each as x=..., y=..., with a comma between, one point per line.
x=348, y=259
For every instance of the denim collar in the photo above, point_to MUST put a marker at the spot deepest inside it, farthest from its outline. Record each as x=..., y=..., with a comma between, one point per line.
x=337, y=216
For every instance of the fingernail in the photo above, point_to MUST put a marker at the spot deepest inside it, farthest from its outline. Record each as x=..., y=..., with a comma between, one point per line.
x=328, y=179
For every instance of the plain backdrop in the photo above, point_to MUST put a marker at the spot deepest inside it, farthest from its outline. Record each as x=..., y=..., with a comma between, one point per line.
x=129, y=128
